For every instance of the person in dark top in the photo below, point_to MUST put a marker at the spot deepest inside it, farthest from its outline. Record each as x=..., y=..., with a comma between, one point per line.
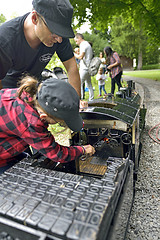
x=27, y=43
x=25, y=113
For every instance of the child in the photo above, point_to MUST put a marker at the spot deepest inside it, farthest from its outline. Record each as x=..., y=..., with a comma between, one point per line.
x=103, y=60
x=25, y=114
x=101, y=82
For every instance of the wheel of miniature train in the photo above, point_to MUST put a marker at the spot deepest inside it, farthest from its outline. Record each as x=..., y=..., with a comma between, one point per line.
x=113, y=142
x=126, y=138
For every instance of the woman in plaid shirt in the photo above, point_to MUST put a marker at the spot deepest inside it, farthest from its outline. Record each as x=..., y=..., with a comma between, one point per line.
x=25, y=113
x=114, y=67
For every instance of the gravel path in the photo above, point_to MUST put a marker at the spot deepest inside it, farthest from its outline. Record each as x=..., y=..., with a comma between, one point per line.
x=145, y=216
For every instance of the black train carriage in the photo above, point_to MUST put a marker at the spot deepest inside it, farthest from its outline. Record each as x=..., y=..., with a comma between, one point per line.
x=87, y=200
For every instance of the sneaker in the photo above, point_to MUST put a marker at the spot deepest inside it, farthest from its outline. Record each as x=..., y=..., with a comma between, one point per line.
x=105, y=94
x=99, y=95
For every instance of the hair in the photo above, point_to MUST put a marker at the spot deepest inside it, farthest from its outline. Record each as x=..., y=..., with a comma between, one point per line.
x=101, y=53
x=79, y=35
x=29, y=85
x=90, y=43
x=108, y=51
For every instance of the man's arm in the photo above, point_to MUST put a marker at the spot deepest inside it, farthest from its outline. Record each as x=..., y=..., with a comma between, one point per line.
x=0, y=84
x=73, y=74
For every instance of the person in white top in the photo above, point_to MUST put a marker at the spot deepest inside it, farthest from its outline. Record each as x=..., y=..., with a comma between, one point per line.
x=101, y=81
x=85, y=57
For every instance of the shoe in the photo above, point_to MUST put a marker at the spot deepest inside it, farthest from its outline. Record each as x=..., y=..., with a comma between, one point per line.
x=105, y=94
x=99, y=95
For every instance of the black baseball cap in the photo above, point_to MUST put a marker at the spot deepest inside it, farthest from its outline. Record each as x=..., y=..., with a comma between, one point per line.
x=59, y=99
x=57, y=14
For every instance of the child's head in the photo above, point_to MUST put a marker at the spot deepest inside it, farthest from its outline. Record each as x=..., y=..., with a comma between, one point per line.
x=57, y=98
x=100, y=71
x=101, y=54
x=76, y=50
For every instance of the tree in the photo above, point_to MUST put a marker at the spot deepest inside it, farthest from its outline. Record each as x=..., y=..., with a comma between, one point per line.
x=132, y=43
x=142, y=15
x=101, y=13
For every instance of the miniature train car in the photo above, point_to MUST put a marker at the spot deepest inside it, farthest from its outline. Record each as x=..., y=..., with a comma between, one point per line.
x=89, y=199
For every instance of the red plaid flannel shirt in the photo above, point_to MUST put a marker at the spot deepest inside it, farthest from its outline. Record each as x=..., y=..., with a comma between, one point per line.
x=20, y=126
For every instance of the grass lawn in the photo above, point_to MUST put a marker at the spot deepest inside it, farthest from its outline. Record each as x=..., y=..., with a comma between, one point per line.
x=151, y=74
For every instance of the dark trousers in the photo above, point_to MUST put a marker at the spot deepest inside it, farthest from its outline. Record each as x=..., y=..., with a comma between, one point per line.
x=116, y=80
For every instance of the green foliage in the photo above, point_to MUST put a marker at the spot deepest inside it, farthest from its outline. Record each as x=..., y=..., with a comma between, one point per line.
x=73, y=43
x=143, y=14
x=98, y=44
x=124, y=37
x=54, y=62
x=2, y=19
x=150, y=54
x=127, y=41
x=151, y=66
x=80, y=11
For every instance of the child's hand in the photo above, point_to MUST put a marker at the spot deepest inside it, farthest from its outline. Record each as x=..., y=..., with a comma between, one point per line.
x=89, y=150
x=83, y=104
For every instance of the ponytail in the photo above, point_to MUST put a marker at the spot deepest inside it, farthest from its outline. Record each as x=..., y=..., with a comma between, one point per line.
x=28, y=85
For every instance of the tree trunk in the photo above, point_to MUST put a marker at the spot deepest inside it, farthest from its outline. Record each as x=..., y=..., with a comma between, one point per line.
x=139, y=66
x=140, y=59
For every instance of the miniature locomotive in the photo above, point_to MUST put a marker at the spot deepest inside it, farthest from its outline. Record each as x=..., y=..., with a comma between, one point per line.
x=90, y=199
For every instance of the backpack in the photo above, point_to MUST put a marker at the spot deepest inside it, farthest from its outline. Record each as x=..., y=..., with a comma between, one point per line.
x=94, y=66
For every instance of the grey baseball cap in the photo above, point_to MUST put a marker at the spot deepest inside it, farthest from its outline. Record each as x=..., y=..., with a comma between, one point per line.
x=59, y=99
x=57, y=14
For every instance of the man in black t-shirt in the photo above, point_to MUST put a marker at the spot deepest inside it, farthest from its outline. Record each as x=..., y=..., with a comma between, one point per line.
x=27, y=43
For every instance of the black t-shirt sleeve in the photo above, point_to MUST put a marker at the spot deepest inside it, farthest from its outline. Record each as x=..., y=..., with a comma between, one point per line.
x=5, y=62
x=64, y=50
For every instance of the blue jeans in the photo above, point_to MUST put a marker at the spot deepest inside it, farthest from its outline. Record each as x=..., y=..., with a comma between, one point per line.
x=10, y=164
x=102, y=87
